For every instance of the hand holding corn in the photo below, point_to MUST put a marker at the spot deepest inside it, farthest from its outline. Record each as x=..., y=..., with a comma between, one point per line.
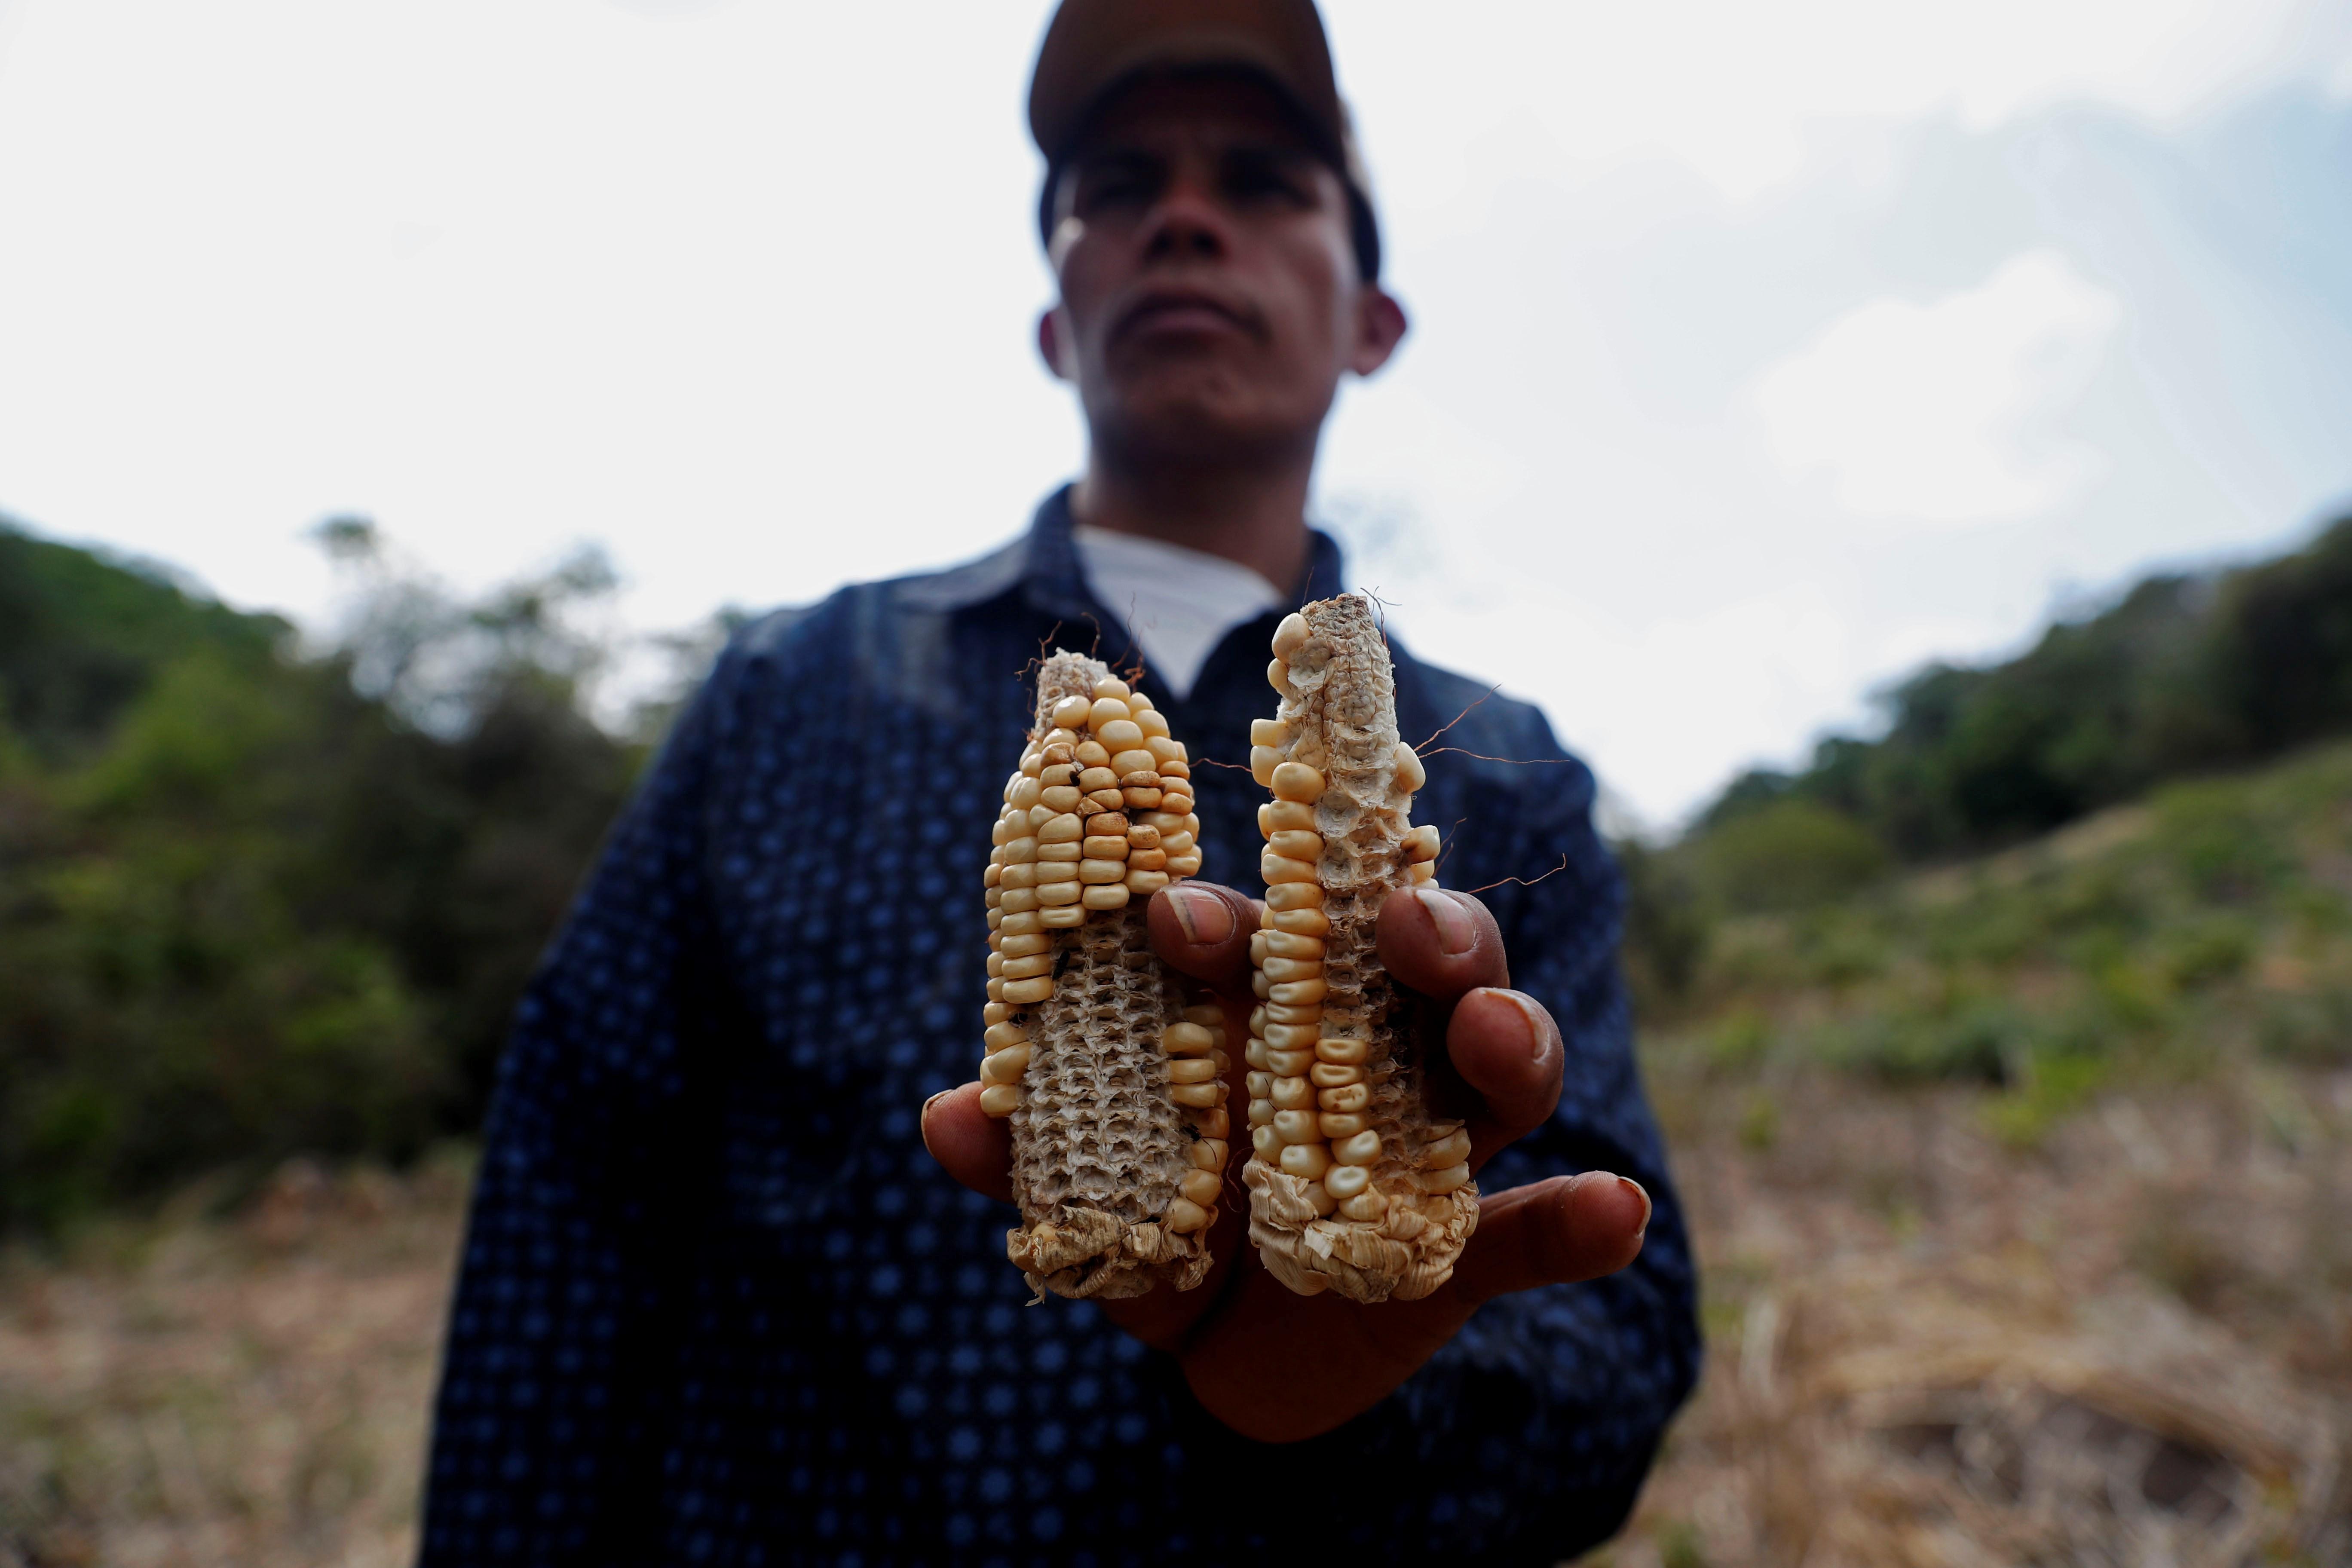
x=1277, y=1365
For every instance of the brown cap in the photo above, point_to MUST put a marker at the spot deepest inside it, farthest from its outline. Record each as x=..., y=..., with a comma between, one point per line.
x=1095, y=49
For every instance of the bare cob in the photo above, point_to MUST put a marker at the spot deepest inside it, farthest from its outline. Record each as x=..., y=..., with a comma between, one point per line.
x=1354, y=1185
x=1114, y=1087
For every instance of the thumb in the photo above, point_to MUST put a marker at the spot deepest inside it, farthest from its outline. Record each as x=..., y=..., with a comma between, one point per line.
x=1552, y=1233
x=969, y=1144
x=1204, y=930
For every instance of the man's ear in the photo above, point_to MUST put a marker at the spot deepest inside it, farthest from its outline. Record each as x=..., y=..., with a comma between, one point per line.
x=1380, y=325
x=1053, y=343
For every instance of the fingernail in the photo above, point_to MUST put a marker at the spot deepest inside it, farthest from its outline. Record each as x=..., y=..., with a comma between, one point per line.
x=1207, y=919
x=1457, y=933
x=1635, y=1187
x=1532, y=1011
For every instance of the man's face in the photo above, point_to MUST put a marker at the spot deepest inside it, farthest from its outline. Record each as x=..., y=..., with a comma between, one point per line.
x=1210, y=297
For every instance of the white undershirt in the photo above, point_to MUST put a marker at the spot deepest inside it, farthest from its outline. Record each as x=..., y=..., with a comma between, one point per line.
x=1179, y=603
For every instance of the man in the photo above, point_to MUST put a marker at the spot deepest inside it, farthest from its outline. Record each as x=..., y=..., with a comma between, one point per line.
x=721, y=1299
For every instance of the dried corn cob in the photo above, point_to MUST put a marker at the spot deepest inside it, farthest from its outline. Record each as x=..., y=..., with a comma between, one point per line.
x=1354, y=1185
x=1115, y=1087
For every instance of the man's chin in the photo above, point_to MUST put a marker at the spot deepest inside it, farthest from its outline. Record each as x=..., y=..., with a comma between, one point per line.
x=1204, y=437
x=1208, y=419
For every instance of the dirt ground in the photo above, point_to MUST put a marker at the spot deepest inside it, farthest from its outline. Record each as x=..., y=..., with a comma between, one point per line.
x=2131, y=1345
x=252, y=1391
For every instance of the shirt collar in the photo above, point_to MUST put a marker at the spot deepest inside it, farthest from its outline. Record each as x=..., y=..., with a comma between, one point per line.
x=1044, y=568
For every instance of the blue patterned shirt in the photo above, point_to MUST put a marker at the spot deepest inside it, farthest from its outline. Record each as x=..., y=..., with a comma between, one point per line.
x=716, y=1303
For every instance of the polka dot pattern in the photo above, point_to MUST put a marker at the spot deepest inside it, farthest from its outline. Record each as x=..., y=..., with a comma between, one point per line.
x=716, y=1304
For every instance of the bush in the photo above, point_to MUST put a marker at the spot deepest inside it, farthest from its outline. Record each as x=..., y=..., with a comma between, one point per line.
x=2206, y=949
x=1790, y=854
x=2215, y=837
x=1667, y=931
x=1978, y=1042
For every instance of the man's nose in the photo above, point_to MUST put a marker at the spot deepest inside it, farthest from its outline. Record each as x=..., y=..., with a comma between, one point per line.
x=1187, y=225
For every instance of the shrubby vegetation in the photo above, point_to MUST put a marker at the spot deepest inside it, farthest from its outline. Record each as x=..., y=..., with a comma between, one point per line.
x=254, y=901
x=2208, y=926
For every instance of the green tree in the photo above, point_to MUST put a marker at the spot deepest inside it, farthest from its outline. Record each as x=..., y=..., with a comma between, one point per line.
x=252, y=902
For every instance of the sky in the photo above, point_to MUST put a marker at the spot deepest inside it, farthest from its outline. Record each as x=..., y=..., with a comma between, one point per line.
x=1760, y=353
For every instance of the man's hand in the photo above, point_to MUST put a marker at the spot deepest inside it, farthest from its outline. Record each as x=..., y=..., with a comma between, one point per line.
x=1277, y=1366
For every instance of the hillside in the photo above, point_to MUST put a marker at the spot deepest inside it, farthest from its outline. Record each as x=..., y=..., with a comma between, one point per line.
x=83, y=635
x=2184, y=674
x=2205, y=930
x=258, y=902
x=2020, y=1185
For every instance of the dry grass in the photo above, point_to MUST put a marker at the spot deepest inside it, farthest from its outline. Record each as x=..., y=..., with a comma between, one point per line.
x=190, y=1393
x=2130, y=1346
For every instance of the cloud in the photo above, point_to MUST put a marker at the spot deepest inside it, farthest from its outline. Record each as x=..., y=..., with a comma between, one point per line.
x=1736, y=90
x=701, y=278
x=1936, y=413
